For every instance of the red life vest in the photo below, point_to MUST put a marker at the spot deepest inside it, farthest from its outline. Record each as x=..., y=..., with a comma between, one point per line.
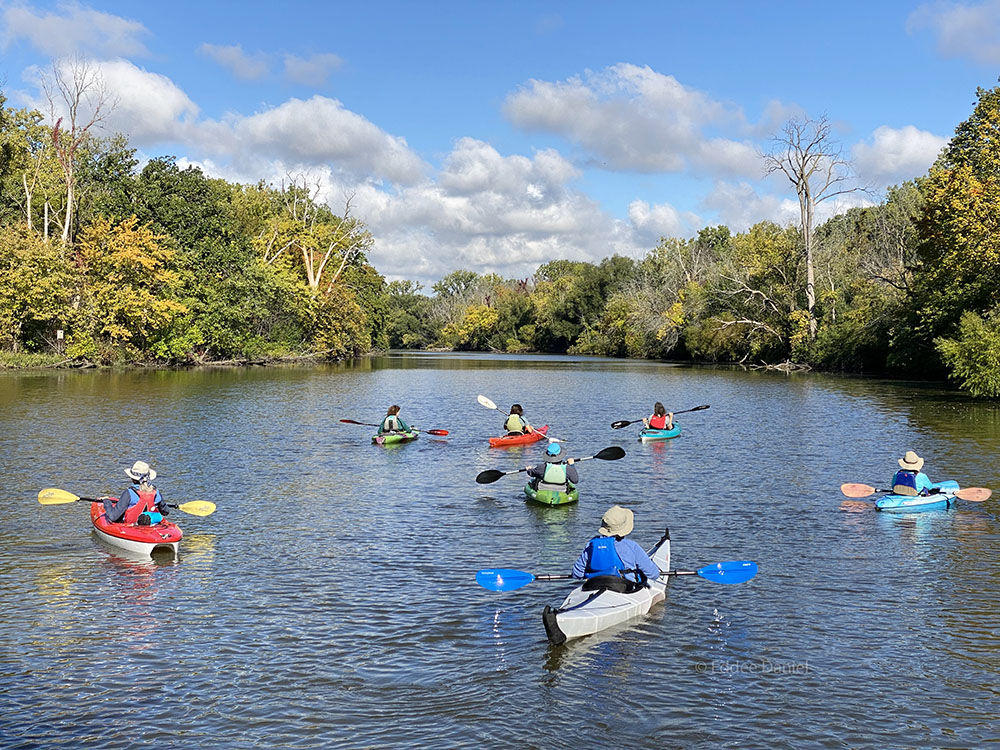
x=658, y=422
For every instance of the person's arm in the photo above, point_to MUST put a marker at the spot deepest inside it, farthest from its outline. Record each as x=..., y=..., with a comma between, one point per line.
x=580, y=566
x=924, y=482
x=670, y=420
x=571, y=473
x=535, y=471
x=161, y=504
x=638, y=558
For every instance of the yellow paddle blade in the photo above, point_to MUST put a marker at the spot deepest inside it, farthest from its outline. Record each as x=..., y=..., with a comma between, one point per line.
x=974, y=494
x=853, y=489
x=198, y=508
x=53, y=496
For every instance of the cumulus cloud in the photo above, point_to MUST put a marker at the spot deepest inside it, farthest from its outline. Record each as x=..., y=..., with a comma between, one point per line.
x=74, y=30
x=236, y=61
x=894, y=155
x=311, y=71
x=633, y=118
x=490, y=213
x=662, y=220
x=963, y=30
x=313, y=132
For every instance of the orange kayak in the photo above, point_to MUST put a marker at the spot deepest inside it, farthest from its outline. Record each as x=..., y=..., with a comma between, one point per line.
x=531, y=437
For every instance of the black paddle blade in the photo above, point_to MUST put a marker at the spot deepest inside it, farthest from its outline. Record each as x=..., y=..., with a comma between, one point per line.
x=612, y=453
x=623, y=423
x=489, y=476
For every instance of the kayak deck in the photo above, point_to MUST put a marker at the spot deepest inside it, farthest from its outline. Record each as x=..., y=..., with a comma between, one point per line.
x=526, y=439
x=585, y=612
x=142, y=540
x=390, y=438
x=648, y=435
x=944, y=498
x=551, y=497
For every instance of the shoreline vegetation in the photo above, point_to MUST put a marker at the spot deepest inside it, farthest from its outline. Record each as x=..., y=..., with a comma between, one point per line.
x=106, y=264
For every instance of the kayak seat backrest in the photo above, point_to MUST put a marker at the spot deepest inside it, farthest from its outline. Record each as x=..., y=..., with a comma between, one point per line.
x=552, y=487
x=903, y=489
x=611, y=583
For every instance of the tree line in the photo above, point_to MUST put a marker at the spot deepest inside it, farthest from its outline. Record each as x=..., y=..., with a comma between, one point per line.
x=103, y=262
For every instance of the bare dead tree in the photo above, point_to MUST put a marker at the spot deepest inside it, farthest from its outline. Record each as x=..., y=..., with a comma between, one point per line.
x=76, y=87
x=807, y=155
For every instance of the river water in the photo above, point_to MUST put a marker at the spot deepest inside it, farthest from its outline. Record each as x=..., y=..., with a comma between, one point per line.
x=331, y=600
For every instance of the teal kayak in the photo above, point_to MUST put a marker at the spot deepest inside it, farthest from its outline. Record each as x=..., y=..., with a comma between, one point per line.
x=389, y=438
x=649, y=435
x=944, y=497
x=551, y=497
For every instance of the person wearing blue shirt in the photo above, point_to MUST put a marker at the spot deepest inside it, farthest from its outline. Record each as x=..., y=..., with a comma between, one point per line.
x=910, y=480
x=611, y=554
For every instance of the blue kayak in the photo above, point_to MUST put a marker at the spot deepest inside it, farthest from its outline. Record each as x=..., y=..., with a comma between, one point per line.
x=943, y=498
x=649, y=435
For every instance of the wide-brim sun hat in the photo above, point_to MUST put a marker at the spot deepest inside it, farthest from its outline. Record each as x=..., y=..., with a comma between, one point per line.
x=617, y=521
x=911, y=462
x=139, y=470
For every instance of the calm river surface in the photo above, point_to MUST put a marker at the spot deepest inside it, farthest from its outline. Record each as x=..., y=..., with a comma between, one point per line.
x=331, y=599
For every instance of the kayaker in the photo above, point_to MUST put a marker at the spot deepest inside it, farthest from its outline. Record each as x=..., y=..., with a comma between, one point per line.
x=660, y=419
x=393, y=422
x=139, y=502
x=554, y=474
x=910, y=480
x=611, y=555
x=516, y=424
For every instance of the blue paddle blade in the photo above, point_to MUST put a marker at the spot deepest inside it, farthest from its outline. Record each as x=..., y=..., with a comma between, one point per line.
x=503, y=579
x=734, y=571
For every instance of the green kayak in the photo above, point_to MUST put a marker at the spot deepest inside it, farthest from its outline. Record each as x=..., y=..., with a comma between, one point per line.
x=551, y=497
x=395, y=437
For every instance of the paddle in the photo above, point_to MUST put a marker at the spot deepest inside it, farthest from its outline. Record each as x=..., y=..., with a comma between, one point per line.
x=625, y=423
x=733, y=571
x=490, y=405
x=369, y=424
x=612, y=453
x=970, y=494
x=53, y=496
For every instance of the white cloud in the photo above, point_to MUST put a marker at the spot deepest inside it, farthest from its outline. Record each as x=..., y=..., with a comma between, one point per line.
x=963, y=30
x=235, y=60
x=633, y=118
x=312, y=132
x=75, y=30
x=311, y=71
x=662, y=220
x=896, y=155
x=739, y=206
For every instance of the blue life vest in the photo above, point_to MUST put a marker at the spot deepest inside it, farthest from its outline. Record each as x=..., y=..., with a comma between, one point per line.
x=905, y=483
x=603, y=558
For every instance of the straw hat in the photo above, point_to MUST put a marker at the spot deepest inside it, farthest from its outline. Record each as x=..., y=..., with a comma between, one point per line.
x=140, y=470
x=911, y=461
x=616, y=522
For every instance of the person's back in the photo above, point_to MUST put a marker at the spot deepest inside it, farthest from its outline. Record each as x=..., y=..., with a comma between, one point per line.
x=142, y=498
x=393, y=423
x=516, y=424
x=611, y=555
x=554, y=474
x=909, y=480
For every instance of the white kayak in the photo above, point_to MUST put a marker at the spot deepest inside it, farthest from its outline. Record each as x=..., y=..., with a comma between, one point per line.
x=588, y=610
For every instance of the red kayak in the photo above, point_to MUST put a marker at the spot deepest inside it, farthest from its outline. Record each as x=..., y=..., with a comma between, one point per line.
x=531, y=437
x=134, y=538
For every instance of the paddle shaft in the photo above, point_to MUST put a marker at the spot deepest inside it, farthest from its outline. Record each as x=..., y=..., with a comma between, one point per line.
x=370, y=424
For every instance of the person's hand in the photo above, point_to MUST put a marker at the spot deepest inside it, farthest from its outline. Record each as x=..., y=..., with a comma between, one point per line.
x=570, y=462
x=670, y=416
x=527, y=468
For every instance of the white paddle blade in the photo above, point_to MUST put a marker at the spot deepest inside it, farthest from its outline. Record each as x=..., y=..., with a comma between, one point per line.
x=485, y=402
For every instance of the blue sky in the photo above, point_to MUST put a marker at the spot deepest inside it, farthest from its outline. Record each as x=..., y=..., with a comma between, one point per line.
x=495, y=136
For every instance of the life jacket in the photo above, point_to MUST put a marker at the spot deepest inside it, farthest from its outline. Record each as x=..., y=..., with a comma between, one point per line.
x=603, y=558
x=390, y=424
x=905, y=483
x=514, y=423
x=658, y=422
x=140, y=501
x=555, y=474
